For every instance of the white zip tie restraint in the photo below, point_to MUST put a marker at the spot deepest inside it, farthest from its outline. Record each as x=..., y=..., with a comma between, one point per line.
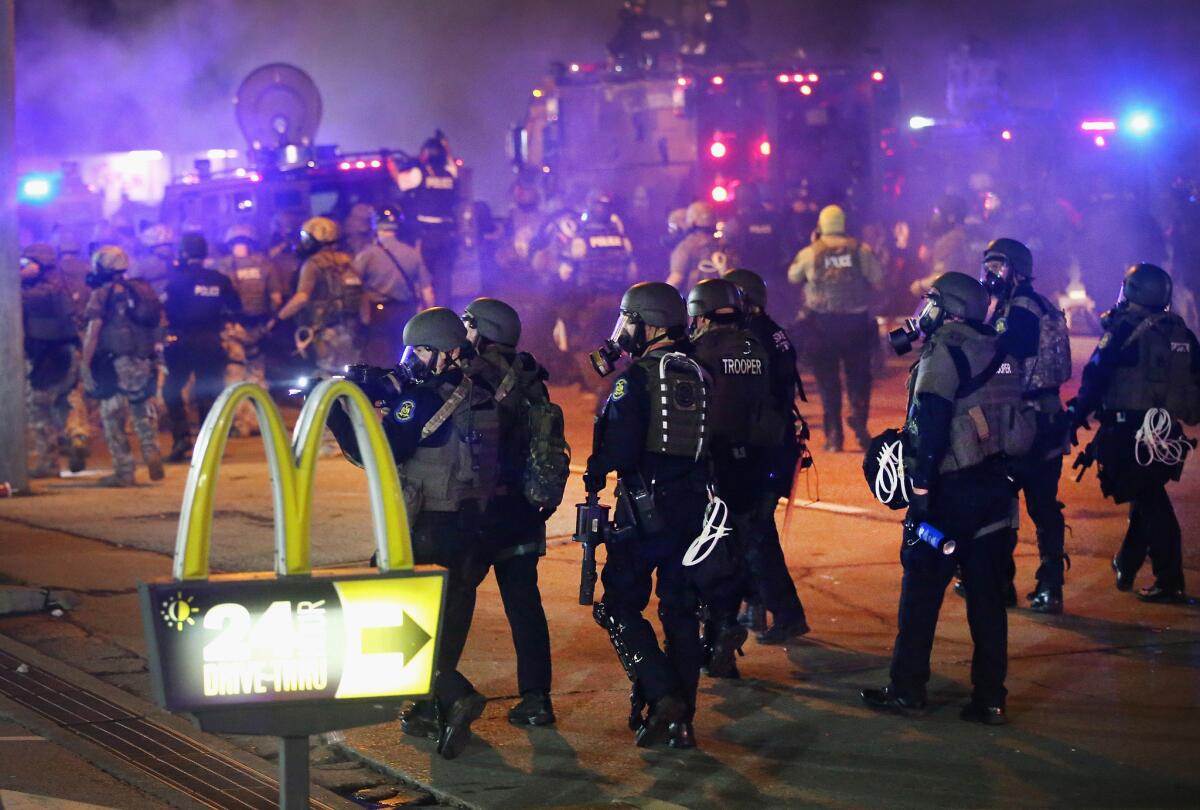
x=1153, y=442
x=716, y=527
x=890, y=478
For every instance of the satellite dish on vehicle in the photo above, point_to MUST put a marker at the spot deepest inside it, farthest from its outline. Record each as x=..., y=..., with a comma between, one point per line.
x=278, y=105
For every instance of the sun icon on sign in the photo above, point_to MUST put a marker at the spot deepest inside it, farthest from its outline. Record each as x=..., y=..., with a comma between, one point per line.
x=178, y=611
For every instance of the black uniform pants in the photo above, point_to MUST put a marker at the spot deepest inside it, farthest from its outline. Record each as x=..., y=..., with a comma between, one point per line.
x=962, y=505
x=834, y=343
x=770, y=582
x=1038, y=479
x=631, y=569
x=201, y=356
x=1154, y=531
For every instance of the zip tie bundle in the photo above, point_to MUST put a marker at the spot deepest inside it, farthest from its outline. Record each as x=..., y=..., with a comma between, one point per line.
x=890, y=477
x=716, y=527
x=1153, y=442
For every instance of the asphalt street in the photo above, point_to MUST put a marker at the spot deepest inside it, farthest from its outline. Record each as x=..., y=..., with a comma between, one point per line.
x=1104, y=701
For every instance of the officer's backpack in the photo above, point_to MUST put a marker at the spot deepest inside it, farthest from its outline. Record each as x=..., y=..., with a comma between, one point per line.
x=1051, y=367
x=549, y=463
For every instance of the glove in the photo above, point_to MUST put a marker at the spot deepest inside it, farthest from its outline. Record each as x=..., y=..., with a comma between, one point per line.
x=594, y=483
x=546, y=512
x=1076, y=420
x=918, y=509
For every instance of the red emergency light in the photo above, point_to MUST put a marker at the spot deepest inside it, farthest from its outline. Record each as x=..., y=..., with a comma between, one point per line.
x=1100, y=141
x=717, y=81
x=718, y=149
x=797, y=77
x=683, y=81
x=720, y=194
x=805, y=90
x=877, y=76
x=344, y=165
x=764, y=148
x=783, y=78
x=375, y=164
x=1006, y=135
x=1101, y=125
x=814, y=77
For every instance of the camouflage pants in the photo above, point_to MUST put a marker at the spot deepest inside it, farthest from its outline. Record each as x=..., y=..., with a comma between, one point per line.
x=243, y=346
x=84, y=413
x=135, y=376
x=48, y=411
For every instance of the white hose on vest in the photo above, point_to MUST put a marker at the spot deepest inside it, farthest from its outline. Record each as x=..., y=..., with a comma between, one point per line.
x=1153, y=442
x=890, y=477
x=716, y=527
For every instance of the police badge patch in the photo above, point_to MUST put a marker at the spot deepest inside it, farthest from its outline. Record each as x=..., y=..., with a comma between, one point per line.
x=618, y=390
x=404, y=413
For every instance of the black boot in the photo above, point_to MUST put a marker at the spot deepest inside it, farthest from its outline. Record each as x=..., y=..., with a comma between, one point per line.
x=681, y=735
x=535, y=709
x=420, y=720
x=456, y=731
x=722, y=657
x=753, y=618
x=1046, y=600
x=663, y=713
x=180, y=451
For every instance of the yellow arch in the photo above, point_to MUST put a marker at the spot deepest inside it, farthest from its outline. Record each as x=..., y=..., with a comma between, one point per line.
x=292, y=467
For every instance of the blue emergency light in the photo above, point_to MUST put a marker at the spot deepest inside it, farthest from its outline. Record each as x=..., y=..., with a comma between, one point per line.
x=37, y=188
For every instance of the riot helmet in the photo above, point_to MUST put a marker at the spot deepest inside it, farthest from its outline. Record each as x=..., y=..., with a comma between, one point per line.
x=493, y=320
x=645, y=304
x=386, y=220
x=599, y=207
x=429, y=338
x=108, y=261
x=712, y=295
x=433, y=150
x=1006, y=262
x=754, y=289
x=193, y=248
x=1147, y=285
x=36, y=259
x=832, y=221
x=955, y=294
x=700, y=215
x=241, y=240
x=316, y=233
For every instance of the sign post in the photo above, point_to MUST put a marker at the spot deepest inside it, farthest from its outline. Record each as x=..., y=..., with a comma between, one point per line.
x=290, y=653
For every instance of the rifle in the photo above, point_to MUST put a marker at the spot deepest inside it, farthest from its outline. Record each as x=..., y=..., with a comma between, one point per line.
x=1085, y=459
x=591, y=529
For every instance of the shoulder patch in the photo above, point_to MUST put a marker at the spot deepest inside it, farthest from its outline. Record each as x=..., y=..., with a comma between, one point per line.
x=619, y=389
x=405, y=411
x=1105, y=340
x=1001, y=325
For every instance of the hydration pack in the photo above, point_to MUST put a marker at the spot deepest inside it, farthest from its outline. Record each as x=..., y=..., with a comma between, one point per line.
x=1051, y=367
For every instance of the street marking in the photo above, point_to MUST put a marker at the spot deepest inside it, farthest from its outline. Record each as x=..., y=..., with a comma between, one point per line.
x=826, y=506
x=23, y=739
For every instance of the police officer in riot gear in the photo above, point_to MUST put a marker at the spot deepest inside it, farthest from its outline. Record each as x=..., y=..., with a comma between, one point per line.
x=431, y=188
x=199, y=301
x=966, y=417
x=642, y=41
x=157, y=257
x=119, y=363
x=841, y=278
x=51, y=355
x=745, y=426
x=328, y=299
x=700, y=254
x=1141, y=382
x=1033, y=330
x=651, y=433
x=249, y=271
x=597, y=269
x=772, y=588
x=395, y=285
x=444, y=431
x=516, y=528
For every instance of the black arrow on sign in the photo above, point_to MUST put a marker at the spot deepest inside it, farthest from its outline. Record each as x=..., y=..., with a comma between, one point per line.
x=407, y=639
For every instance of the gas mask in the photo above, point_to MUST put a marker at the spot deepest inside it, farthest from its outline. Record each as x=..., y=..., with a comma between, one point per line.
x=927, y=320
x=95, y=279
x=604, y=359
x=414, y=368
x=996, y=277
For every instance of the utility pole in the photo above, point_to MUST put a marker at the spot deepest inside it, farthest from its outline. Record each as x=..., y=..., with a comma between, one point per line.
x=12, y=351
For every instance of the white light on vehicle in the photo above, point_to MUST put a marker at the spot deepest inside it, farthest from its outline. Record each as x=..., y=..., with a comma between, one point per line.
x=920, y=122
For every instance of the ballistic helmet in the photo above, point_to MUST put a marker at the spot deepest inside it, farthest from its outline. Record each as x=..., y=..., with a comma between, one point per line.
x=832, y=220
x=1147, y=285
x=193, y=247
x=438, y=328
x=494, y=320
x=322, y=230
x=655, y=303
x=713, y=294
x=386, y=219
x=41, y=254
x=700, y=215
x=1013, y=253
x=110, y=259
x=961, y=295
x=754, y=289
x=598, y=206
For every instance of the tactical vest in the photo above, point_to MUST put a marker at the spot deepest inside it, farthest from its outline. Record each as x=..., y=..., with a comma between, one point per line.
x=990, y=416
x=741, y=410
x=678, y=397
x=838, y=283
x=1051, y=366
x=436, y=198
x=605, y=256
x=130, y=316
x=466, y=467
x=337, y=294
x=249, y=278
x=47, y=313
x=1162, y=376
